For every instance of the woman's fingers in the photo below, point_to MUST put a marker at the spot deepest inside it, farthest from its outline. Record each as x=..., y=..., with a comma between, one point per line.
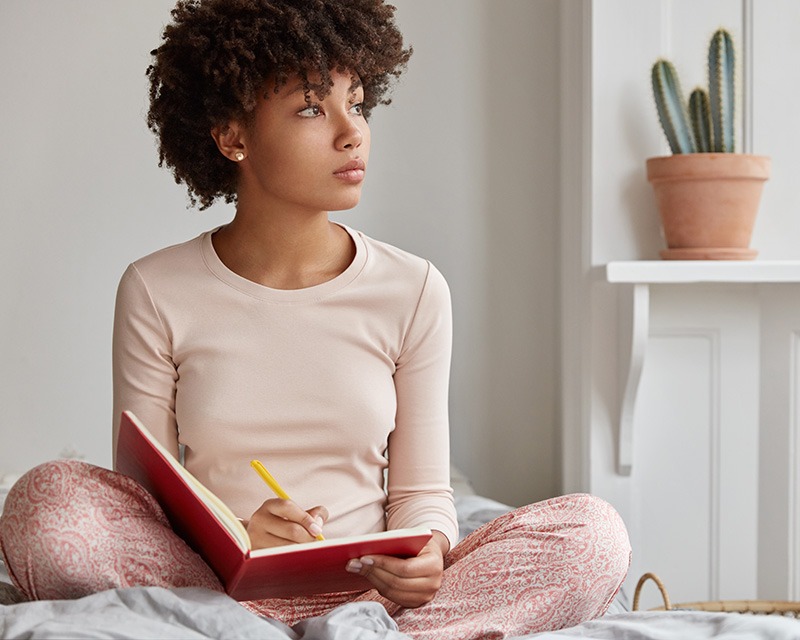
x=409, y=582
x=319, y=512
x=405, y=591
x=278, y=522
x=319, y=515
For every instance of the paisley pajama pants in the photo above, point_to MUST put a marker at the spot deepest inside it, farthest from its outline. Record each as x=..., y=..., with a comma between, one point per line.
x=70, y=529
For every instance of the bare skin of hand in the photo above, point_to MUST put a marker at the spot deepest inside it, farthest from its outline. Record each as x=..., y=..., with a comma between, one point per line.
x=409, y=582
x=278, y=522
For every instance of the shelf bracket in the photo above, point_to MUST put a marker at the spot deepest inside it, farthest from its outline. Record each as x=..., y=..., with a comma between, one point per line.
x=634, y=321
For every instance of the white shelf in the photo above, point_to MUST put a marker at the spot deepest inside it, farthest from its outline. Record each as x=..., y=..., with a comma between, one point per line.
x=635, y=278
x=688, y=271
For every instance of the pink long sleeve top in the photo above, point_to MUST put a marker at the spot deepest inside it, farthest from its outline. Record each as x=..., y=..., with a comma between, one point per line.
x=329, y=386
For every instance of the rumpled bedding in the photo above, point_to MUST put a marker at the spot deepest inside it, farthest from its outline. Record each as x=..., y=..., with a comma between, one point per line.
x=681, y=625
x=185, y=614
x=154, y=612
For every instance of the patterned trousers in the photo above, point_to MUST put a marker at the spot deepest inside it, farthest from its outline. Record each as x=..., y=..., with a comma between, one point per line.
x=70, y=529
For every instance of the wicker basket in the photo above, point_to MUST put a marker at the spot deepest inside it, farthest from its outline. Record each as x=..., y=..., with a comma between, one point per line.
x=760, y=607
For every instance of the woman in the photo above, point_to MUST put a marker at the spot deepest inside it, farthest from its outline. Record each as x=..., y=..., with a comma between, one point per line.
x=287, y=337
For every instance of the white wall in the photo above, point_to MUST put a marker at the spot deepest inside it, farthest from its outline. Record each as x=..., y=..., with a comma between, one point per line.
x=81, y=197
x=776, y=51
x=463, y=171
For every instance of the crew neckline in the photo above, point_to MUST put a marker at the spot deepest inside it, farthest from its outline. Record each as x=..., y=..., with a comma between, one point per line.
x=263, y=292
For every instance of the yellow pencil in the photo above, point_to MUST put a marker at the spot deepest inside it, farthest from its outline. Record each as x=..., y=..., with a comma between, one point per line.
x=273, y=484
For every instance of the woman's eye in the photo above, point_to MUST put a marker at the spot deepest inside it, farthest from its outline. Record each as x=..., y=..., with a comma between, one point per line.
x=357, y=109
x=311, y=111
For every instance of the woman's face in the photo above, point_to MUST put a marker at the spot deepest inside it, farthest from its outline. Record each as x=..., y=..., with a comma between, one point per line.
x=307, y=155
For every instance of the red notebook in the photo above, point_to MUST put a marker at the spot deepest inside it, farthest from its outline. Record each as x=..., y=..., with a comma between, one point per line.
x=211, y=529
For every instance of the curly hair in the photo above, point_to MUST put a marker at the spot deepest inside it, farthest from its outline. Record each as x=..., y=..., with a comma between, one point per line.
x=216, y=56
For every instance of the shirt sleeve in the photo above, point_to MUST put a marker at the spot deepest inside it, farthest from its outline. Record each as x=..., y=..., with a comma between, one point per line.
x=419, y=492
x=144, y=374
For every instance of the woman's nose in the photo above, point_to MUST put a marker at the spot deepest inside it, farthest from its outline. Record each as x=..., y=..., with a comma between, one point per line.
x=351, y=135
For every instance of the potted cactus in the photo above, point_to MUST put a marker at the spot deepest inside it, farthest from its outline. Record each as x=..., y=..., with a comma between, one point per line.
x=707, y=194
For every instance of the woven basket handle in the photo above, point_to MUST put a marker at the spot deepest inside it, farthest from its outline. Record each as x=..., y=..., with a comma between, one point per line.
x=659, y=584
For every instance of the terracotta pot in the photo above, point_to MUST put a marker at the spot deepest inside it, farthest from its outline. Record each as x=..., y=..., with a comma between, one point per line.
x=708, y=203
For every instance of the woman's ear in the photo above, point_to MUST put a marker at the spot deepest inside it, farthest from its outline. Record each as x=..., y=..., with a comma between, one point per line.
x=230, y=141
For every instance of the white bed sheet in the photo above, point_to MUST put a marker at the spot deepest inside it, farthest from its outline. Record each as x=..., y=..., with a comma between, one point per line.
x=681, y=625
x=153, y=612
x=183, y=614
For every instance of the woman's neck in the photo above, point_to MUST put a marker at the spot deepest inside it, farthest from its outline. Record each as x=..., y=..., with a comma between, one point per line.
x=284, y=252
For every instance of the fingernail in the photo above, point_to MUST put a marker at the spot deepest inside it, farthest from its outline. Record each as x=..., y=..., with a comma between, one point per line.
x=315, y=529
x=354, y=566
x=367, y=561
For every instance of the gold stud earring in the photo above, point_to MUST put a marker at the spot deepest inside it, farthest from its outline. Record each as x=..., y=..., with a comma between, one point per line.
x=239, y=156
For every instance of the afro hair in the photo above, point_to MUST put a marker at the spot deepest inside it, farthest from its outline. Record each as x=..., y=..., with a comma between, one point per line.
x=216, y=56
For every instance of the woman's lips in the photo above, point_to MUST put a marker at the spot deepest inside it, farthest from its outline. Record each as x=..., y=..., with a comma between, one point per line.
x=352, y=172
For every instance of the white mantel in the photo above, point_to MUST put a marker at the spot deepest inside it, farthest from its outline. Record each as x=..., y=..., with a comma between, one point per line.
x=687, y=271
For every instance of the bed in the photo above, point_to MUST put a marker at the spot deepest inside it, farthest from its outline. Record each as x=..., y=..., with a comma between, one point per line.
x=153, y=612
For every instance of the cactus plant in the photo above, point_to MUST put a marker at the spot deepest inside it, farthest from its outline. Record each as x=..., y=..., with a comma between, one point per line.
x=720, y=89
x=671, y=110
x=700, y=115
x=706, y=123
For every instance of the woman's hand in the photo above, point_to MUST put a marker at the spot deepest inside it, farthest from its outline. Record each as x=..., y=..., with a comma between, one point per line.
x=278, y=522
x=409, y=582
